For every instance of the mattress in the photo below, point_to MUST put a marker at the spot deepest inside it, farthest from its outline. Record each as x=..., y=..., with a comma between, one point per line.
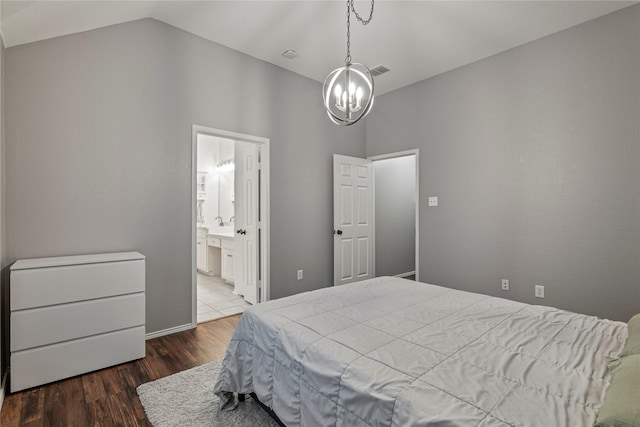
x=393, y=352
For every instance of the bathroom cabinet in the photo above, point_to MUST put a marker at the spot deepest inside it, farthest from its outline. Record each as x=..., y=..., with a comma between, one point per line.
x=214, y=254
x=201, y=255
x=201, y=185
x=227, y=259
x=227, y=263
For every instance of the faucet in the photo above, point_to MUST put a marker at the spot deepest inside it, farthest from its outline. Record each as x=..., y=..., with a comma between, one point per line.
x=232, y=219
x=219, y=218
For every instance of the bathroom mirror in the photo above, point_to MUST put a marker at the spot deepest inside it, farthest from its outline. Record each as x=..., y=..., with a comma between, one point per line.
x=215, y=181
x=226, y=183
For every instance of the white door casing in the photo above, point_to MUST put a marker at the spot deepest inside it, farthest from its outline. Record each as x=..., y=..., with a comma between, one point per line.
x=246, y=221
x=352, y=219
x=263, y=202
x=416, y=154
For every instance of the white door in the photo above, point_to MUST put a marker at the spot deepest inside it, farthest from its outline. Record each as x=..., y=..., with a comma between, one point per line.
x=245, y=256
x=352, y=219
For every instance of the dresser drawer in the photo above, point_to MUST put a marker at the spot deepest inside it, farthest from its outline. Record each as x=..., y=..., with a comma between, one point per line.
x=47, y=325
x=43, y=365
x=40, y=287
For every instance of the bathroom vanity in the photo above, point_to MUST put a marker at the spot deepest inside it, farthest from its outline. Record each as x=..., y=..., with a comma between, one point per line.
x=214, y=252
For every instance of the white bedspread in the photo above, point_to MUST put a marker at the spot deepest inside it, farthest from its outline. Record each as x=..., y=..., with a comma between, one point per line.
x=392, y=352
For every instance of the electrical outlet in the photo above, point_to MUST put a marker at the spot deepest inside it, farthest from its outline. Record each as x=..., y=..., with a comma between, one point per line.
x=433, y=201
x=299, y=274
x=505, y=284
x=539, y=291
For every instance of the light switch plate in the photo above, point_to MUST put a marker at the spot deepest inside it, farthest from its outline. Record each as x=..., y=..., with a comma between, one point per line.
x=539, y=291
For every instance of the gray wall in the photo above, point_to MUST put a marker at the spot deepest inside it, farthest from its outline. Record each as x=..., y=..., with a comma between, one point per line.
x=395, y=185
x=535, y=155
x=98, y=149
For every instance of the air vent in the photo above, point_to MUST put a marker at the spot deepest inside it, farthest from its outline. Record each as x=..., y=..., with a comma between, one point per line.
x=289, y=53
x=378, y=69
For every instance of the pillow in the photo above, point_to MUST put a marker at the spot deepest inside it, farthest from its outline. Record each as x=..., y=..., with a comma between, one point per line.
x=633, y=341
x=621, y=406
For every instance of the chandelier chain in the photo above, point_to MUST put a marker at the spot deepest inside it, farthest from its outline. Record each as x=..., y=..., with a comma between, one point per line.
x=352, y=8
x=347, y=60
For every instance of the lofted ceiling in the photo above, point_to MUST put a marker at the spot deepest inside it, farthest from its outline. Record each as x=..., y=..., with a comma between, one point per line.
x=414, y=39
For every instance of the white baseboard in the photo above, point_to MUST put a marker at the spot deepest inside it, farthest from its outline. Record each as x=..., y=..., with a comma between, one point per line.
x=169, y=331
x=3, y=385
x=409, y=273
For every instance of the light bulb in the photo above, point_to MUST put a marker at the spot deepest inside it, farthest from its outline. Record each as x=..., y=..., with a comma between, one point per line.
x=338, y=91
x=359, y=93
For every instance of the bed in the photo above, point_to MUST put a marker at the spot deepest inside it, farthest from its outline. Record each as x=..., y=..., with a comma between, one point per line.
x=393, y=352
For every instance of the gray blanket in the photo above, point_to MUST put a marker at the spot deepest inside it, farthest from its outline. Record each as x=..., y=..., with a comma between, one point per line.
x=392, y=352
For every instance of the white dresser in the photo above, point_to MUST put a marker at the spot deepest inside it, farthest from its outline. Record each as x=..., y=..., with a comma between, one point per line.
x=75, y=314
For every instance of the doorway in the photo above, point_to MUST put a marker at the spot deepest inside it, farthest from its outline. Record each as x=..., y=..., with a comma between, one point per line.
x=376, y=216
x=396, y=214
x=230, y=207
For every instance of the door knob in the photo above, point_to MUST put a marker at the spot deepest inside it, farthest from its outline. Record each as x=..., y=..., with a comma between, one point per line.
x=338, y=232
x=241, y=231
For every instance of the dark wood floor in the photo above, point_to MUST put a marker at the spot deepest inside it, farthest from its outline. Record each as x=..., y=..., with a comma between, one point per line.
x=108, y=397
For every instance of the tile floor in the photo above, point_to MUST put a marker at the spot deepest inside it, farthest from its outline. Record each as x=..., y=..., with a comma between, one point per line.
x=216, y=299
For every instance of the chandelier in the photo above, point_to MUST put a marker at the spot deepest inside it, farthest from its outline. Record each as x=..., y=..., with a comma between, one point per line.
x=348, y=90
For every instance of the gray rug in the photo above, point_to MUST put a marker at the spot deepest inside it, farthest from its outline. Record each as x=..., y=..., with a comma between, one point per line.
x=187, y=399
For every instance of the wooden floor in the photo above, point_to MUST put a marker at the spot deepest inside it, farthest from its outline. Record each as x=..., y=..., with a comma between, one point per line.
x=108, y=397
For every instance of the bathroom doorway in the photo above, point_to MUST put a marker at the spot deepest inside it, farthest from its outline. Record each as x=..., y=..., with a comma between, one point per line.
x=230, y=202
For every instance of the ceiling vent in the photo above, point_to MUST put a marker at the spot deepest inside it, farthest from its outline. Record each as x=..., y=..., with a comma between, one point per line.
x=378, y=69
x=289, y=53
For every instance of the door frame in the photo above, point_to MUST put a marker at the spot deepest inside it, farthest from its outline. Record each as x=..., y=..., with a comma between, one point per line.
x=415, y=152
x=265, y=294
